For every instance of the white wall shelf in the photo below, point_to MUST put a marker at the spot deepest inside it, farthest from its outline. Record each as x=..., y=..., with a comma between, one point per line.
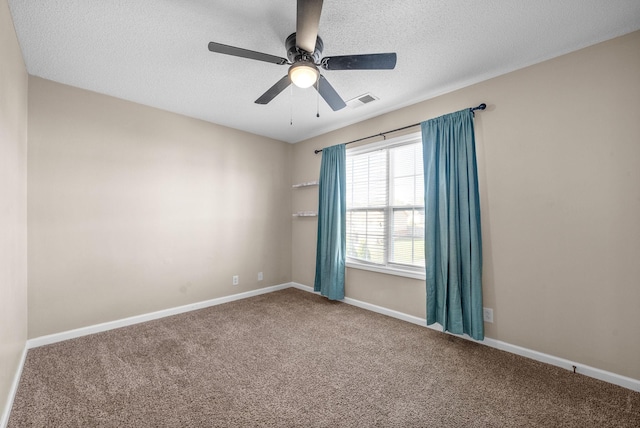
x=306, y=184
x=306, y=214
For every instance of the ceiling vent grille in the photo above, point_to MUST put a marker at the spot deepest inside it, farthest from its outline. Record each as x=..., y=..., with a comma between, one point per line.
x=361, y=100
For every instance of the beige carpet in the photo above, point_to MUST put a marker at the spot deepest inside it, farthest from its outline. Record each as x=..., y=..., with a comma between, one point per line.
x=294, y=359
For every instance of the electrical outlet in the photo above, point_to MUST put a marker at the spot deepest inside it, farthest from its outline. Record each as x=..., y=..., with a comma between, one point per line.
x=487, y=314
x=259, y=276
x=236, y=279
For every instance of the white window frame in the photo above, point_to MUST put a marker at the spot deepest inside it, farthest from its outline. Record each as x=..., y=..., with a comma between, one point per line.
x=393, y=269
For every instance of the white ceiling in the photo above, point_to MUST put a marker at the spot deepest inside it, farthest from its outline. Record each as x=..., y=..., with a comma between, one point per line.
x=154, y=52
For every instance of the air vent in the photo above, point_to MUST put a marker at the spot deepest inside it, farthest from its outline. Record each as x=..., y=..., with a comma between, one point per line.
x=361, y=100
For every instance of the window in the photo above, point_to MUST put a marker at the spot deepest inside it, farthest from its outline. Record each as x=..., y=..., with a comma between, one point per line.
x=385, y=207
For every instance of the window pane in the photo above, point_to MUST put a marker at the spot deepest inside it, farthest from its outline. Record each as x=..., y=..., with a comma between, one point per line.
x=402, y=251
x=366, y=235
x=417, y=157
x=403, y=160
x=419, y=180
x=360, y=194
x=418, y=237
x=368, y=180
x=402, y=237
x=377, y=193
x=404, y=191
x=418, y=255
x=418, y=223
x=407, y=182
x=408, y=237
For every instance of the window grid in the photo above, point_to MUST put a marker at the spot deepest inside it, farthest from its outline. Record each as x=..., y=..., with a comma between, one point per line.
x=385, y=226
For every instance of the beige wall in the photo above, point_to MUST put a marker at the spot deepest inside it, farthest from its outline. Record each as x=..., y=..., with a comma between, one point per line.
x=559, y=169
x=133, y=210
x=13, y=204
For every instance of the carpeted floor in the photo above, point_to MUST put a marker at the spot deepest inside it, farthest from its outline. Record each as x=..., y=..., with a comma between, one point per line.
x=294, y=359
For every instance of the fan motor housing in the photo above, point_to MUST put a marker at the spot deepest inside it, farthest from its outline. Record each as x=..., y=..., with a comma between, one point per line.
x=296, y=54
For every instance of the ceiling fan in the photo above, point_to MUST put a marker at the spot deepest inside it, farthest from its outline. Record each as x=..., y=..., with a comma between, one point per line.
x=304, y=53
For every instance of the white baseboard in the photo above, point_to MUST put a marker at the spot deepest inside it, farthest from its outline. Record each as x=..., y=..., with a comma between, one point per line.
x=110, y=325
x=6, y=412
x=616, y=379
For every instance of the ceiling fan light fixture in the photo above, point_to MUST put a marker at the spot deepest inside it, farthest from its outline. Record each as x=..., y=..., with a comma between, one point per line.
x=304, y=74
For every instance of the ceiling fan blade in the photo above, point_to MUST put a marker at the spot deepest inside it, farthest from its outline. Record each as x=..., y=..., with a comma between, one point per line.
x=273, y=91
x=329, y=94
x=307, y=22
x=380, y=61
x=244, y=53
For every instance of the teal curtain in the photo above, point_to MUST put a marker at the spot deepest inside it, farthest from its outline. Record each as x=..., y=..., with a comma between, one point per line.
x=332, y=213
x=453, y=242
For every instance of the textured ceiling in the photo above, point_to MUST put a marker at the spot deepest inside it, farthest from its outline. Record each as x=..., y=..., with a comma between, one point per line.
x=154, y=52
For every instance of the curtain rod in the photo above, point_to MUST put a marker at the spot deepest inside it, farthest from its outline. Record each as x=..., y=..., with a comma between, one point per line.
x=382, y=134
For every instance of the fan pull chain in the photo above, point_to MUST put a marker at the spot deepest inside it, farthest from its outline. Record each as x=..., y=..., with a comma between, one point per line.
x=291, y=105
x=318, y=97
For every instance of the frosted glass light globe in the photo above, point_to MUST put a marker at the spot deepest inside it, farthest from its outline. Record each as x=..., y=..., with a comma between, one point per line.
x=304, y=74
